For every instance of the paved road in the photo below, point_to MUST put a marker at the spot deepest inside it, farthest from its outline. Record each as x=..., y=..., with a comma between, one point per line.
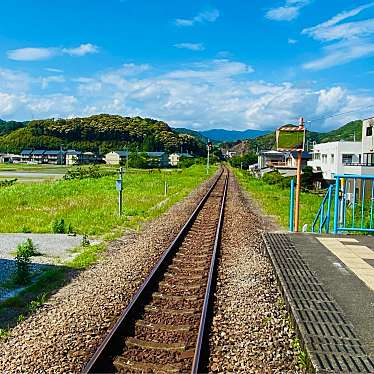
x=55, y=249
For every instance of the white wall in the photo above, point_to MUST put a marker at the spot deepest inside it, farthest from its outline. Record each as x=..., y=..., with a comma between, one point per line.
x=330, y=160
x=367, y=141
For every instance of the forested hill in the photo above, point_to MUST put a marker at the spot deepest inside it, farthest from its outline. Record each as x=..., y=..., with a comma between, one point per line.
x=102, y=132
x=6, y=127
x=346, y=132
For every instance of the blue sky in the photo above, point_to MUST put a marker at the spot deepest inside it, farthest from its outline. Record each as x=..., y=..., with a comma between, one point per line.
x=198, y=64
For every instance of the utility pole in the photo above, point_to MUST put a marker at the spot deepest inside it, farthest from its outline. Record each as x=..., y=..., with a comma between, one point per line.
x=209, y=145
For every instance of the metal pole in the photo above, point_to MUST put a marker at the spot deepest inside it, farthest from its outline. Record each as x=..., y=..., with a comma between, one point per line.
x=336, y=206
x=166, y=188
x=298, y=182
x=207, y=161
x=120, y=191
x=292, y=203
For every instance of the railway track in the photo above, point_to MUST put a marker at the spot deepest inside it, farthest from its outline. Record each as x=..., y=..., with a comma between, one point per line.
x=163, y=329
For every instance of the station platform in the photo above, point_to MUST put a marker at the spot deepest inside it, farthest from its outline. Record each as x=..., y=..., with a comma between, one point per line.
x=328, y=286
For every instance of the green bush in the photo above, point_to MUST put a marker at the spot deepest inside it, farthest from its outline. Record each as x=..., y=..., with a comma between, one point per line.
x=59, y=227
x=7, y=182
x=92, y=171
x=23, y=254
x=274, y=177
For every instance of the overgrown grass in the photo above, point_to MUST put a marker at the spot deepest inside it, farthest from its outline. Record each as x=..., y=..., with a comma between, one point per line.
x=90, y=205
x=276, y=201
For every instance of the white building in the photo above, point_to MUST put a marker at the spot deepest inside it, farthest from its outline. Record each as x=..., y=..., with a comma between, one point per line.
x=174, y=158
x=346, y=157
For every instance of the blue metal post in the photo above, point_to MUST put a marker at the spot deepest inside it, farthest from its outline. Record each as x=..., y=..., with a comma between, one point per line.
x=363, y=186
x=336, y=206
x=292, y=203
x=327, y=228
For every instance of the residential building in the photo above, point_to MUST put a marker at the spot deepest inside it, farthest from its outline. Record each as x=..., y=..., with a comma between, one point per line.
x=161, y=159
x=174, y=158
x=74, y=157
x=26, y=155
x=116, y=157
x=283, y=161
x=333, y=158
x=346, y=157
x=10, y=158
x=54, y=157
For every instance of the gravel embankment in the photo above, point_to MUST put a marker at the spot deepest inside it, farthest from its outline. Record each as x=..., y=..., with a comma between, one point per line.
x=63, y=334
x=250, y=333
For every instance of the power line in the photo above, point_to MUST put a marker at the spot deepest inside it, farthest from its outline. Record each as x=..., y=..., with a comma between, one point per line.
x=342, y=113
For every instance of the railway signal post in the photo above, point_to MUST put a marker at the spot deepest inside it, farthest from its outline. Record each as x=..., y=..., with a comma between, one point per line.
x=209, y=147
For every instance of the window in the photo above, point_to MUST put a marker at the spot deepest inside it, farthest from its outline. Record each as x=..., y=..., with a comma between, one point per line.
x=347, y=159
x=369, y=131
x=324, y=158
x=332, y=158
x=317, y=156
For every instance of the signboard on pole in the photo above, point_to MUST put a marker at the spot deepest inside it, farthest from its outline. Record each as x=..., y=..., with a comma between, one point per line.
x=290, y=138
x=119, y=186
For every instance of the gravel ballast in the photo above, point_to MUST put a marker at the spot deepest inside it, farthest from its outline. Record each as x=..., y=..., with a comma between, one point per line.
x=250, y=331
x=64, y=333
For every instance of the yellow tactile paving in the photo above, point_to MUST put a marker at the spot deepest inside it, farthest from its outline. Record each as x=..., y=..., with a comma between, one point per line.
x=353, y=257
x=361, y=251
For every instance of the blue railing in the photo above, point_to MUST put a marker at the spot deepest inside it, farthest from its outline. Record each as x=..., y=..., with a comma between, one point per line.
x=354, y=203
x=323, y=215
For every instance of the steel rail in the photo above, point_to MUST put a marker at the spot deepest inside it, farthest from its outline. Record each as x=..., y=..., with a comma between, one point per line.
x=202, y=341
x=111, y=345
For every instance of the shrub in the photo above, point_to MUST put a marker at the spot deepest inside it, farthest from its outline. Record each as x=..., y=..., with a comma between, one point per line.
x=24, y=252
x=92, y=171
x=59, y=227
x=274, y=177
x=7, y=182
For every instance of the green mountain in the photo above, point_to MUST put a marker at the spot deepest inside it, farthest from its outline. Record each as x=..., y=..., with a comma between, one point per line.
x=268, y=141
x=6, y=127
x=100, y=133
x=196, y=134
x=221, y=135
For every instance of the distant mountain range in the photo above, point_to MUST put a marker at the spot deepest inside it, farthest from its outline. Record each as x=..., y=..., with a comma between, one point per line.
x=221, y=135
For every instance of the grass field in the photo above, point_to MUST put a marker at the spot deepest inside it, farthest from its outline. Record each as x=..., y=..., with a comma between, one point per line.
x=276, y=201
x=90, y=205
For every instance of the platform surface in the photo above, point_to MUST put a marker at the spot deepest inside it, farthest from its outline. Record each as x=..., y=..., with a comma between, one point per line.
x=328, y=284
x=345, y=265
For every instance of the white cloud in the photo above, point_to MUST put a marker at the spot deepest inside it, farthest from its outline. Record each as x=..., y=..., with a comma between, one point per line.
x=288, y=12
x=45, y=81
x=346, y=41
x=36, y=54
x=190, y=46
x=32, y=54
x=292, y=41
x=204, y=94
x=202, y=17
x=82, y=50
x=54, y=70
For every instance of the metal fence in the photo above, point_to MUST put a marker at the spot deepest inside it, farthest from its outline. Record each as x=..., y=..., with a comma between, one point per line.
x=354, y=203
x=349, y=204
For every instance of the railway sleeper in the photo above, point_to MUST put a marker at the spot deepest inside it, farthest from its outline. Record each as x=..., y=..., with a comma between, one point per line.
x=161, y=326
x=125, y=366
x=147, y=344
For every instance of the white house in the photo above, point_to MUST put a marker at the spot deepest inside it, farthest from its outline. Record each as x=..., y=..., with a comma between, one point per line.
x=174, y=158
x=116, y=157
x=346, y=157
